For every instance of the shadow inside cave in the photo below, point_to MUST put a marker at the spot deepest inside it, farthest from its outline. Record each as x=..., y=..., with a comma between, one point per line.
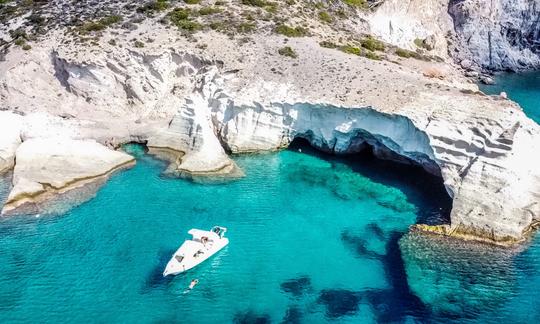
x=424, y=190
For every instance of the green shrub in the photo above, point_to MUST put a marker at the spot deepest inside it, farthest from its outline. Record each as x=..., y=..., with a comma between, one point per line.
x=403, y=53
x=192, y=1
x=372, y=55
x=209, y=11
x=99, y=25
x=178, y=14
x=290, y=31
x=217, y=25
x=246, y=27
x=372, y=44
x=138, y=44
x=26, y=47
x=357, y=3
x=287, y=51
x=188, y=25
x=19, y=41
x=255, y=3
x=351, y=50
x=180, y=18
x=325, y=16
x=327, y=44
x=153, y=7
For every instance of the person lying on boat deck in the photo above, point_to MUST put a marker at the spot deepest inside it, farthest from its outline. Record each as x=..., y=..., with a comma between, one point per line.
x=198, y=253
x=204, y=240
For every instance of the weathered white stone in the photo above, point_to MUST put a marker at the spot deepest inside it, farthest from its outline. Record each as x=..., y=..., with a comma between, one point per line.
x=10, y=138
x=55, y=165
x=401, y=22
x=498, y=34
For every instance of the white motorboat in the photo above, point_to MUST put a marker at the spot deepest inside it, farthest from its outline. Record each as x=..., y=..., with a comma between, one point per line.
x=203, y=245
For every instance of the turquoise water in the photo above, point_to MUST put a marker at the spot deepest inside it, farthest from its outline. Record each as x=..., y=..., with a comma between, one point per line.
x=313, y=239
x=523, y=88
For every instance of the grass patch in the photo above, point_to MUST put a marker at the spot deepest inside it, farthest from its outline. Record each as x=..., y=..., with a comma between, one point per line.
x=291, y=31
x=372, y=44
x=287, y=51
x=404, y=53
x=351, y=50
x=325, y=16
x=180, y=18
x=209, y=11
x=255, y=3
x=362, y=4
x=246, y=27
x=153, y=7
x=372, y=56
x=328, y=44
x=99, y=25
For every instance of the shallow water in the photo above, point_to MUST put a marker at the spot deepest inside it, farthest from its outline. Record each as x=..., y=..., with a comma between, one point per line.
x=313, y=239
x=523, y=88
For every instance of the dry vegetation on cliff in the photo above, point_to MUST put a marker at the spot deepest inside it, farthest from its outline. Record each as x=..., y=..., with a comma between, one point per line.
x=340, y=23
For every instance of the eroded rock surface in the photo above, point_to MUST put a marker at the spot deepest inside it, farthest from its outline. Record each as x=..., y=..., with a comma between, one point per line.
x=499, y=34
x=10, y=126
x=47, y=167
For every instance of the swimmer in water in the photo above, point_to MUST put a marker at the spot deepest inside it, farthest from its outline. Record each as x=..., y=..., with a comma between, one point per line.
x=193, y=283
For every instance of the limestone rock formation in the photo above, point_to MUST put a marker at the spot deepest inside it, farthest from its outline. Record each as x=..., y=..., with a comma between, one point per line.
x=497, y=35
x=48, y=167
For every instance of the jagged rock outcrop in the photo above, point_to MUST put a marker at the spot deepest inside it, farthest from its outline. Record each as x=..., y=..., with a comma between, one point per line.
x=497, y=34
x=48, y=167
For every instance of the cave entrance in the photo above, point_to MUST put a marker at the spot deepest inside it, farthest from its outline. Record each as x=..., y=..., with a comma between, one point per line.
x=425, y=190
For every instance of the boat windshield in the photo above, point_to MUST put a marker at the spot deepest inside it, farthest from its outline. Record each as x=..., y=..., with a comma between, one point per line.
x=179, y=258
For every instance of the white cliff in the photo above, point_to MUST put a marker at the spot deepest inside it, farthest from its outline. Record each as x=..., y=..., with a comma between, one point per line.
x=498, y=34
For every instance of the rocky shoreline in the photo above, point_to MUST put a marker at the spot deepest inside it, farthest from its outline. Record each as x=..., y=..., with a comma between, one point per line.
x=193, y=105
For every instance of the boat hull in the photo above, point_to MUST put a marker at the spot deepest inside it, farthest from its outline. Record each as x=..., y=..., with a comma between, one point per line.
x=193, y=255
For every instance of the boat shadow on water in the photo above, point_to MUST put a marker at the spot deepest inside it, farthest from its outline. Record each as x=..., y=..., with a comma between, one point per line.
x=155, y=278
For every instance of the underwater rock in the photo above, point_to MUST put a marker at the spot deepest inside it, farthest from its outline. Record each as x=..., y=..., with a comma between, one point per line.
x=298, y=286
x=339, y=302
x=359, y=245
x=456, y=278
x=251, y=317
x=292, y=316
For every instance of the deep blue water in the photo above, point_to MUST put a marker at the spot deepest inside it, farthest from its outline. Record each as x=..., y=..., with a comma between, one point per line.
x=313, y=239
